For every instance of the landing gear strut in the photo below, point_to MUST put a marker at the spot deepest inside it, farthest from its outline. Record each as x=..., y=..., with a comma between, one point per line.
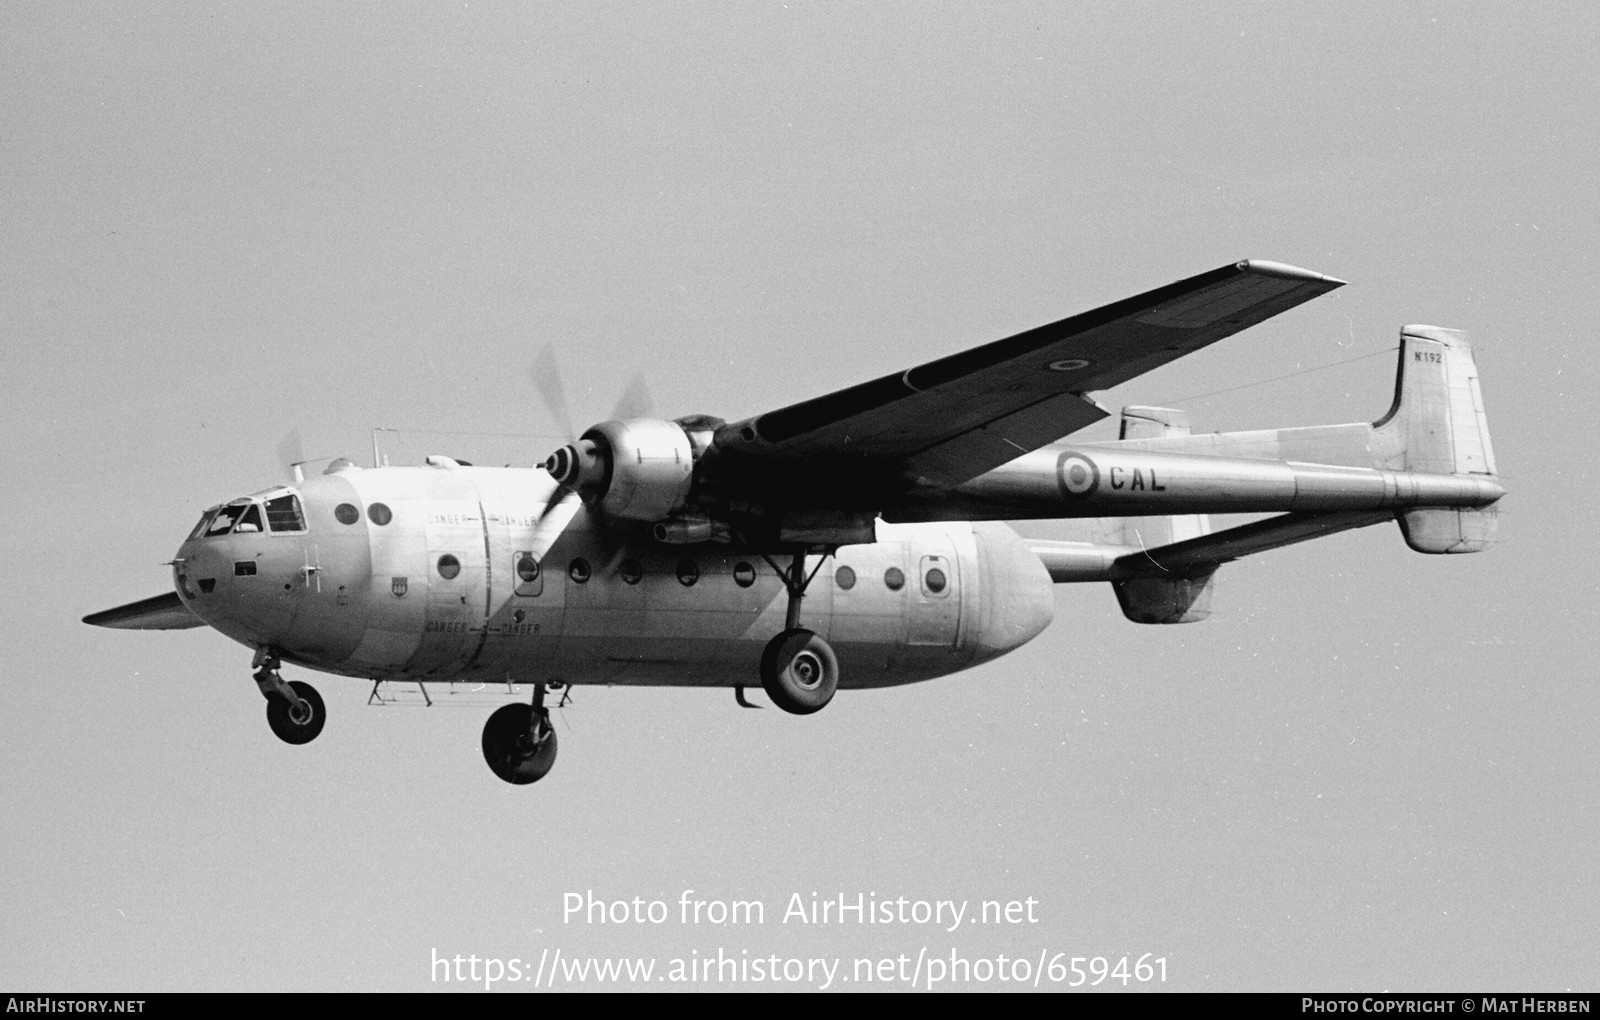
x=798, y=669
x=294, y=708
x=518, y=741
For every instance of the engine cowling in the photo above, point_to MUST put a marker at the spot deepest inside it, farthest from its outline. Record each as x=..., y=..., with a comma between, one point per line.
x=640, y=469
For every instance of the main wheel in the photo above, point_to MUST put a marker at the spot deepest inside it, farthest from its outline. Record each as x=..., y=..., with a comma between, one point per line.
x=297, y=724
x=799, y=672
x=513, y=750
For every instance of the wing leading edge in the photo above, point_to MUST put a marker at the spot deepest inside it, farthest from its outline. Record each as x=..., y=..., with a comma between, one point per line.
x=953, y=419
x=163, y=612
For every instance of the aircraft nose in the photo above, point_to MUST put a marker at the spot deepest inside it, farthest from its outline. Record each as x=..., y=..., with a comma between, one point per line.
x=196, y=572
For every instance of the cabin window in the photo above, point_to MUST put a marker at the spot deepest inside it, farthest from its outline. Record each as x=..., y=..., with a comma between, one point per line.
x=631, y=571
x=935, y=580
x=527, y=568
x=744, y=575
x=449, y=567
x=845, y=578
x=244, y=568
x=283, y=514
x=530, y=577
x=379, y=514
x=579, y=570
x=688, y=573
x=344, y=513
x=895, y=578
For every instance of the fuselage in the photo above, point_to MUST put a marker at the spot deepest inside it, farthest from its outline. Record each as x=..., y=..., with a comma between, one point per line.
x=431, y=573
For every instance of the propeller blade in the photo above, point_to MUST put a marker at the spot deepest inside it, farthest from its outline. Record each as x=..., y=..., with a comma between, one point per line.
x=292, y=454
x=558, y=513
x=635, y=401
x=547, y=380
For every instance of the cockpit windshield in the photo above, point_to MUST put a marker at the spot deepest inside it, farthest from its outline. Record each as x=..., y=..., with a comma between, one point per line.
x=283, y=514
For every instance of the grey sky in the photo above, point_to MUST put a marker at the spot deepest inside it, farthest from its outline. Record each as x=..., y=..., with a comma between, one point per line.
x=1369, y=769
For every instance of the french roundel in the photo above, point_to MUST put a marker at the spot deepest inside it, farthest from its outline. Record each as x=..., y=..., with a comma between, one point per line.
x=1077, y=474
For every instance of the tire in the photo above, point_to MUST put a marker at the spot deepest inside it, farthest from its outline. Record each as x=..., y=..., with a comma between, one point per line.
x=506, y=750
x=281, y=717
x=799, y=672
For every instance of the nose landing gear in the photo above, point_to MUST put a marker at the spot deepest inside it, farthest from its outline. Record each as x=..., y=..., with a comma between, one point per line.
x=519, y=743
x=294, y=708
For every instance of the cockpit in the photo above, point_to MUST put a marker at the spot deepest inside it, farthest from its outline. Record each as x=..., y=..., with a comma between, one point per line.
x=276, y=510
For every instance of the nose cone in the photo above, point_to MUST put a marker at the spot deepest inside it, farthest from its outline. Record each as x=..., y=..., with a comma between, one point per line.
x=1016, y=594
x=201, y=573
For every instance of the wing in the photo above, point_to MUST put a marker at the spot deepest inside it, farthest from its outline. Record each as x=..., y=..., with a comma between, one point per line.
x=955, y=418
x=164, y=612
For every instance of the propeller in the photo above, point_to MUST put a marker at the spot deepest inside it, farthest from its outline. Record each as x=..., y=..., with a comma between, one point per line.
x=547, y=380
x=635, y=401
x=581, y=464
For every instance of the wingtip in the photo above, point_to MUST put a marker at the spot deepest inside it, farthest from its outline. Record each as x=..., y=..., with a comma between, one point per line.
x=1287, y=272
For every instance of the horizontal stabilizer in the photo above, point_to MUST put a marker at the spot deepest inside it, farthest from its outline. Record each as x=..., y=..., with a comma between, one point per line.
x=1209, y=551
x=164, y=612
x=1070, y=562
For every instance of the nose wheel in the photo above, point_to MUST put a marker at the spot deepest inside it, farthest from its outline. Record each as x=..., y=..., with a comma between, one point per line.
x=519, y=743
x=294, y=708
x=298, y=722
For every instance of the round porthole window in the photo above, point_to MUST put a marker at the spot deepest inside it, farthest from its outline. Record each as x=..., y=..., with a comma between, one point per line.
x=935, y=580
x=379, y=514
x=631, y=571
x=895, y=578
x=449, y=567
x=845, y=578
x=344, y=513
x=579, y=570
x=744, y=575
x=688, y=573
x=527, y=568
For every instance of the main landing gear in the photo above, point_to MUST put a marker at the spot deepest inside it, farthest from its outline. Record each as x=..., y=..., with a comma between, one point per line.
x=294, y=708
x=519, y=743
x=799, y=671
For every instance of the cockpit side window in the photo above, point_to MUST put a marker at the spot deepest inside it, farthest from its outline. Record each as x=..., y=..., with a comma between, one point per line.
x=284, y=514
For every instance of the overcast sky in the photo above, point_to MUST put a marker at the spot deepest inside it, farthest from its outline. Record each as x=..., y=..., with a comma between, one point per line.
x=1369, y=769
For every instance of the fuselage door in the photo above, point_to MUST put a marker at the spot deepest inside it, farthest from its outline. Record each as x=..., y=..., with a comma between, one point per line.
x=459, y=586
x=935, y=603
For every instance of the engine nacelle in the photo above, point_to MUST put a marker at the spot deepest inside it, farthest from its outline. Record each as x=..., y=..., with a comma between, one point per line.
x=640, y=469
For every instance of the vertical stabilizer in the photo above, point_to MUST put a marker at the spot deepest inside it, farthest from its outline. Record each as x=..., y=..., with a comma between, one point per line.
x=1175, y=599
x=1438, y=425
